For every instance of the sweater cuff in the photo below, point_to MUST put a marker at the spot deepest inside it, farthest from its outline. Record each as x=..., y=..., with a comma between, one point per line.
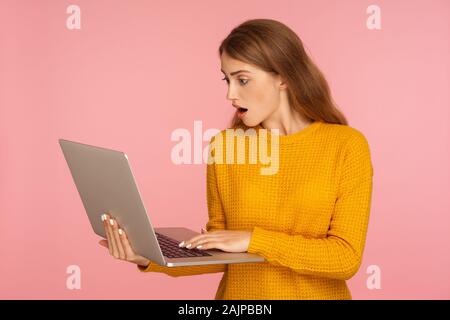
x=261, y=241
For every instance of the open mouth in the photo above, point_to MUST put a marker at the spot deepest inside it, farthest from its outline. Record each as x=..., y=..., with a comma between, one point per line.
x=242, y=110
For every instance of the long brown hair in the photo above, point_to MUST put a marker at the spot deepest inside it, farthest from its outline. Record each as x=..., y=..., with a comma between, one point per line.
x=274, y=47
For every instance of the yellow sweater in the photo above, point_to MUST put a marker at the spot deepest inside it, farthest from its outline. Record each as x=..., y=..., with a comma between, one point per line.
x=309, y=220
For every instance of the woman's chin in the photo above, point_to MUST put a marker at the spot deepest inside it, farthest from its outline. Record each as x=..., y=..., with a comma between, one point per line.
x=246, y=121
x=250, y=123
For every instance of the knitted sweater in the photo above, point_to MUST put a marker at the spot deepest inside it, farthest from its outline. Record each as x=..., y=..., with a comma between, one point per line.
x=309, y=220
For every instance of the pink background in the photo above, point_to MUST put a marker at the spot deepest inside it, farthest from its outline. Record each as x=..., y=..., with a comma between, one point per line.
x=138, y=70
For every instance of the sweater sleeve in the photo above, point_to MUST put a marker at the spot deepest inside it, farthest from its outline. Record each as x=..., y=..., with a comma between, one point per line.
x=337, y=255
x=216, y=222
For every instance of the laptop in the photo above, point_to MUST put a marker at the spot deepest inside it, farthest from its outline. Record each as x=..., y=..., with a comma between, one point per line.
x=106, y=183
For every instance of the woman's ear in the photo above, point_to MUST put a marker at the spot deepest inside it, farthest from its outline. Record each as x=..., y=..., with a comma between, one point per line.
x=282, y=83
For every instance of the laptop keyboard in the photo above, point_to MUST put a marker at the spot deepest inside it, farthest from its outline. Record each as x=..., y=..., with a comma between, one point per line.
x=170, y=248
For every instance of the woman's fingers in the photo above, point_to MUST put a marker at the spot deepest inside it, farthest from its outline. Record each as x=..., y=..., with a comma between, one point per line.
x=111, y=240
x=195, y=240
x=200, y=243
x=105, y=219
x=116, y=233
x=129, y=252
x=212, y=245
x=118, y=244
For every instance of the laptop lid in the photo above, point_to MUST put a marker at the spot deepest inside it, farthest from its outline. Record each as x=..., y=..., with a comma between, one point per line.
x=105, y=183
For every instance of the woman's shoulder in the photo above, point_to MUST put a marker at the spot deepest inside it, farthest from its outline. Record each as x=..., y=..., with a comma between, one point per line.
x=343, y=133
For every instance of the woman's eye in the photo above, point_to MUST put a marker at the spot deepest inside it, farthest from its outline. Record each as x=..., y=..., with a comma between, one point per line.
x=242, y=81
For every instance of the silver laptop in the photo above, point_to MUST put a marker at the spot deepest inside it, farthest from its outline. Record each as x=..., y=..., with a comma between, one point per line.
x=106, y=183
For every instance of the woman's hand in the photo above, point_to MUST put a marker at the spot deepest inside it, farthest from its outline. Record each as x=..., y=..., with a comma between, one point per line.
x=225, y=240
x=118, y=244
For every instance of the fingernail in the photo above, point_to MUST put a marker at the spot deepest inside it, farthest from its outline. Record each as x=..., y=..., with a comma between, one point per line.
x=181, y=244
x=199, y=247
x=120, y=231
x=103, y=217
x=189, y=245
x=111, y=221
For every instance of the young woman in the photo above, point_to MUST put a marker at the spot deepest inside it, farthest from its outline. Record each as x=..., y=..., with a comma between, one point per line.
x=309, y=220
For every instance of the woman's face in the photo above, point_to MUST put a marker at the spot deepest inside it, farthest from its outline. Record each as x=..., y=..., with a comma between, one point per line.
x=254, y=89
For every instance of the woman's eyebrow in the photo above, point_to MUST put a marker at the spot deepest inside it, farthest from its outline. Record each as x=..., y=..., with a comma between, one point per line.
x=235, y=72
